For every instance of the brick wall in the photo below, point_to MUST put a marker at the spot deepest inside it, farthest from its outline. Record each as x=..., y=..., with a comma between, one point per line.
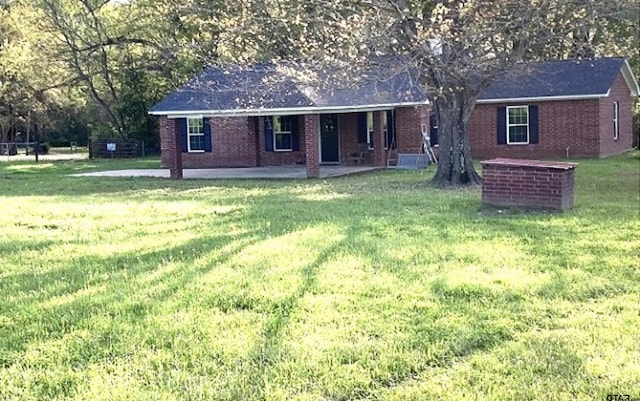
x=408, y=126
x=281, y=158
x=240, y=141
x=348, y=136
x=565, y=124
x=310, y=138
x=170, y=147
x=511, y=182
x=619, y=92
x=233, y=144
x=167, y=129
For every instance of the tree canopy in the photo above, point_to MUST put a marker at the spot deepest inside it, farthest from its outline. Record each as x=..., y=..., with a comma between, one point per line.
x=79, y=68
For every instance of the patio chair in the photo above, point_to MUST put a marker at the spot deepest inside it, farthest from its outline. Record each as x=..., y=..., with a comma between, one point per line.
x=360, y=156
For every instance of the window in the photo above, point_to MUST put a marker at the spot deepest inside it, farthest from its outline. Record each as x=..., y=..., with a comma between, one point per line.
x=195, y=134
x=370, y=128
x=616, y=120
x=282, y=133
x=517, y=125
x=386, y=121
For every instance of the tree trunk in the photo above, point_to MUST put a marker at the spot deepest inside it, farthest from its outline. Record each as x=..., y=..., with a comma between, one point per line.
x=455, y=167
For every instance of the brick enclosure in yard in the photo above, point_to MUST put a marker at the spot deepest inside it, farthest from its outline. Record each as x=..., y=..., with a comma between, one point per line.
x=532, y=183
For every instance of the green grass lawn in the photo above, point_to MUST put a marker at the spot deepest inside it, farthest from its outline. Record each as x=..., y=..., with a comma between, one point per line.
x=372, y=287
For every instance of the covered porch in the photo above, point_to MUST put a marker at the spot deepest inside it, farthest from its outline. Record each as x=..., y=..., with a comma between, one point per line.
x=267, y=115
x=357, y=136
x=272, y=172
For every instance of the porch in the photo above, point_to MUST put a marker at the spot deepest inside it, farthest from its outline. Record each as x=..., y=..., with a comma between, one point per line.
x=273, y=172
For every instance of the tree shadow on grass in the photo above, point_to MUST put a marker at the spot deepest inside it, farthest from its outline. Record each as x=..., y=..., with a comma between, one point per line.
x=266, y=353
x=431, y=336
x=437, y=343
x=585, y=261
x=40, y=319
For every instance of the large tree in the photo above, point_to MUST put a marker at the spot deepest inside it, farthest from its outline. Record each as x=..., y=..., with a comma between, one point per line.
x=457, y=48
x=453, y=48
x=107, y=61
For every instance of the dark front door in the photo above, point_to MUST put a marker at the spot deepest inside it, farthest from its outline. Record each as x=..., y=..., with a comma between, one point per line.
x=329, y=142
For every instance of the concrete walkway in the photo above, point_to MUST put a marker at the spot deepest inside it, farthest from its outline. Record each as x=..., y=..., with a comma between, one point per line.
x=279, y=172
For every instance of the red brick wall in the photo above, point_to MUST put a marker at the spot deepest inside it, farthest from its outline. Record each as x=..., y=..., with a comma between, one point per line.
x=528, y=183
x=348, y=135
x=281, y=158
x=311, y=127
x=565, y=124
x=167, y=129
x=619, y=92
x=408, y=123
x=170, y=147
x=233, y=144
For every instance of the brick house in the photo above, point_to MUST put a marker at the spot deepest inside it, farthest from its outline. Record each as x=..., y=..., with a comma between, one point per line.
x=261, y=116
x=564, y=108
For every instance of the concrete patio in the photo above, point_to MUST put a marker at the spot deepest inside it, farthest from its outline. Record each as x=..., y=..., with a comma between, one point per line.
x=276, y=172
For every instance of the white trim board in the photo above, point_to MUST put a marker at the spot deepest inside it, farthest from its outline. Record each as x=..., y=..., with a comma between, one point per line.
x=632, y=83
x=541, y=98
x=285, y=111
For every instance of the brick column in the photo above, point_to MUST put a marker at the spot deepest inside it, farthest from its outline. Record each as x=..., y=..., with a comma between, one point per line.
x=311, y=137
x=378, y=140
x=257, y=129
x=166, y=129
x=170, y=147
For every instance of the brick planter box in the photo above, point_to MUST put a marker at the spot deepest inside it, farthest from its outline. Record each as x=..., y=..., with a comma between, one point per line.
x=534, y=183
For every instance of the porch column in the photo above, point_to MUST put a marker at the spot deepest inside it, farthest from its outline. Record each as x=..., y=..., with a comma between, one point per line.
x=173, y=149
x=311, y=135
x=378, y=140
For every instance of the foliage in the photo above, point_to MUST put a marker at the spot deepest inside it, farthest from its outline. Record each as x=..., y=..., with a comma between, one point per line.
x=78, y=68
x=456, y=49
x=366, y=287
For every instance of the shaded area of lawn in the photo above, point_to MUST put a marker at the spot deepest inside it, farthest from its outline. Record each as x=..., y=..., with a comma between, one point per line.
x=366, y=287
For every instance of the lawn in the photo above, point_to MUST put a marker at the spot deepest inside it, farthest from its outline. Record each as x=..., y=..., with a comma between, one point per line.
x=370, y=287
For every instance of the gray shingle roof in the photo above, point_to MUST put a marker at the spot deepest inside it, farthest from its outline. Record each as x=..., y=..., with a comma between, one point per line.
x=267, y=86
x=561, y=78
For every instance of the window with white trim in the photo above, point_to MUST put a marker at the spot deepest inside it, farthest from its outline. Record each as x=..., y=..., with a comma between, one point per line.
x=370, y=128
x=282, y=133
x=616, y=120
x=517, y=125
x=195, y=134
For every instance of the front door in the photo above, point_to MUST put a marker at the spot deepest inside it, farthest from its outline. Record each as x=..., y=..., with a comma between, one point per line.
x=329, y=141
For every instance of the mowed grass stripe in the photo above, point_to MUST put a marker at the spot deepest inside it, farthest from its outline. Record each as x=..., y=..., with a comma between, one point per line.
x=366, y=287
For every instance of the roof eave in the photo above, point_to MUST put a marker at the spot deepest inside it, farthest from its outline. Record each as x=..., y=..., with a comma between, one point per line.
x=542, y=98
x=283, y=110
x=627, y=74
